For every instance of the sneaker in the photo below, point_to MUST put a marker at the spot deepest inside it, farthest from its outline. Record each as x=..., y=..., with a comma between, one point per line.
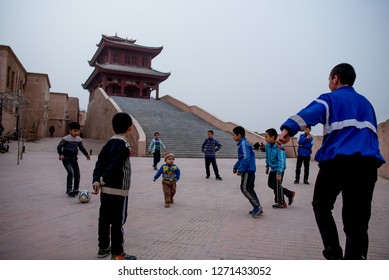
x=306, y=182
x=257, y=211
x=155, y=168
x=76, y=192
x=123, y=256
x=167, y=205
x=296, y=181
x=207, y=177
x=291, y=198
x=219, y=178
x=102, y=253
x=278, y=205
x=70, y=193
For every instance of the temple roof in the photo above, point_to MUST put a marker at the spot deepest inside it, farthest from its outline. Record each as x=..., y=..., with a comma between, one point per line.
x=126, y=69
x=121, y=43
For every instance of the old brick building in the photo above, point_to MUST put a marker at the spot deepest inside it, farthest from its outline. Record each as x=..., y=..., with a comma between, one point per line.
x=26, y=103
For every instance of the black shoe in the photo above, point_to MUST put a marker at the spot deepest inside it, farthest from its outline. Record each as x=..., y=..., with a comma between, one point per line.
x=306, y=182
x=76, y=192
x=102, y=253
x=291, y=198
x=70, y=193
x=219, y=178
x=296, y=181
x=207, y=177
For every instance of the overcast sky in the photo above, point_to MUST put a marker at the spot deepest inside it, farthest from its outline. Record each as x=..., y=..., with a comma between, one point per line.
x=252, y=62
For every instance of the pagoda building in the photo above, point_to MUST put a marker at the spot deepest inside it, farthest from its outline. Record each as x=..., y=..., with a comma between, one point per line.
x=123, y=68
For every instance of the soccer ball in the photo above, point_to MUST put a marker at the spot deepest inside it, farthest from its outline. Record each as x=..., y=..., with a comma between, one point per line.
x=84, y=196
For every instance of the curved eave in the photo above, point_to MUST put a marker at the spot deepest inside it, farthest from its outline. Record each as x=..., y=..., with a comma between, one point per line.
x=126, y=45
x=133, y=70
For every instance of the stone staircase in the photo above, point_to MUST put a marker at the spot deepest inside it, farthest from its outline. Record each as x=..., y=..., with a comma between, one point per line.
x=182, y=133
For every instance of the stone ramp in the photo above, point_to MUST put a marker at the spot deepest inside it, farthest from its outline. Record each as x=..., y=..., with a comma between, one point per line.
x=183, y=133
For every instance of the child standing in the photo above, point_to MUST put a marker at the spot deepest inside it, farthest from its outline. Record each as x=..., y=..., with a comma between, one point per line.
x=304, y=152
x=209, y=148
x=170, y=175
x=112, y=176
x=245, y=167
x=276, y=161
x=68, y=151
x=155, y=148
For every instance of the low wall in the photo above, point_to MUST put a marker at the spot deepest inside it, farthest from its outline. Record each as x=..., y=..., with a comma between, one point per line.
x=99, y=122
x=209, y=118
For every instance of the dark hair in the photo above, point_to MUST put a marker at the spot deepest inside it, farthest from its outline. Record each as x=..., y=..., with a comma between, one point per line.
x=121, y=122
x=345, y=73
x=239, y=130
x=74, y=125
x=156, y=133
x=272, y=132
x=211, y=131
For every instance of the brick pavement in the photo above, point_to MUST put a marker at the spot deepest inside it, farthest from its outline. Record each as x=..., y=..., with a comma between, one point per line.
x=209, y=220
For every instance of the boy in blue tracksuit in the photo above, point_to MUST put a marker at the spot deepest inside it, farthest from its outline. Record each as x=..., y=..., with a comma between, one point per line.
x=348, y=161
x=276, y=162
x=245, y=167
x=209, y=148
x=304, y=152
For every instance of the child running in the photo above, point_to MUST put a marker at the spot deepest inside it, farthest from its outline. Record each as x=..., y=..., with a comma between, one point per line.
x=276, y=161
x=245, y=167
x=170, y=175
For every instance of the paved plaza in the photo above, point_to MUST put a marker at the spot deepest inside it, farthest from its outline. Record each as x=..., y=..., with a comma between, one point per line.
x=208, y=221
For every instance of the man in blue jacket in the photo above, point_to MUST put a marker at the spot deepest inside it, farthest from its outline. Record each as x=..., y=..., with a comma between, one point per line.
x=348, y=161
x=304, y=152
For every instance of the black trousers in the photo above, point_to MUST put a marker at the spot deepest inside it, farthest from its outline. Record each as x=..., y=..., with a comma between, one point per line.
x=300, y=161
x=355, y=178
x=208, y=162
x=156, y=157
x=112, y=217
x=247, y=188
x=278, y=189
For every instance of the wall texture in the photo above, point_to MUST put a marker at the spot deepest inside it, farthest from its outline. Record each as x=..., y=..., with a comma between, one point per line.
x=99, y=122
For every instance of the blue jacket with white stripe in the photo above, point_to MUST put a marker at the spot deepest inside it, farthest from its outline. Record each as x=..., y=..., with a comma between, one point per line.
x=246, y=158
x=350, y=125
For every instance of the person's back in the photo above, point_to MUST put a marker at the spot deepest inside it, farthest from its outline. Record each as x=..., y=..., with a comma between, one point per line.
x=348, y=161
x=112, y=177
x=351, y=123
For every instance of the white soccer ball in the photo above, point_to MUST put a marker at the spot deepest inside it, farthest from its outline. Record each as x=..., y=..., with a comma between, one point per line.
x=84, y=196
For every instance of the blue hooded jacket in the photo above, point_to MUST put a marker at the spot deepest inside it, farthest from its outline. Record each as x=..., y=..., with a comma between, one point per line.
x=246, y=158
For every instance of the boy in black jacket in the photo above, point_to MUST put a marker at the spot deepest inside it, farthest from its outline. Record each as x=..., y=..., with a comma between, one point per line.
x=112, y=176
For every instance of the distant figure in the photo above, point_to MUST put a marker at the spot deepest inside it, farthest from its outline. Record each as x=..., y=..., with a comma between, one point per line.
x=112, y=177
x=155, y=148
x=1, y=129
x=304, y=152
x=51, y=130
x=68, y=154
x=170, y=175
x=348, y=160
x=209, y=148
x=245, y=168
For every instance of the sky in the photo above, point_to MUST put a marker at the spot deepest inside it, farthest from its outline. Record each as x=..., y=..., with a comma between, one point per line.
x=251, y=62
